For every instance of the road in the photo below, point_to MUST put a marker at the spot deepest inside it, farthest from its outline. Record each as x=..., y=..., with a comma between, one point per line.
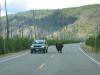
x=71, y=62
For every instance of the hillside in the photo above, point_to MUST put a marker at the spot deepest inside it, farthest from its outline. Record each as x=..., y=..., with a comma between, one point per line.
x=86, y=25
x=70, y=22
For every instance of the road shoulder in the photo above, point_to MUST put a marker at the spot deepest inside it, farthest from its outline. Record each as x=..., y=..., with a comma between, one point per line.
x=10, y=55
x=91, y=52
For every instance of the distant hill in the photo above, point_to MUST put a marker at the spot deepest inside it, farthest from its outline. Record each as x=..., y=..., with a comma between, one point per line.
x=86, y=25
x=77, y=22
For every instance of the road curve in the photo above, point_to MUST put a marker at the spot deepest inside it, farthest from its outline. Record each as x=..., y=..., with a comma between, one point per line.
x=71, y=62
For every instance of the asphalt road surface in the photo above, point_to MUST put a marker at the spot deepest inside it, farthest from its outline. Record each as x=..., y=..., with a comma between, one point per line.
x=72, y=61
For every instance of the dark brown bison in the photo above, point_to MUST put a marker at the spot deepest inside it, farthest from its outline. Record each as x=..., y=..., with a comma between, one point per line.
x=59, y=47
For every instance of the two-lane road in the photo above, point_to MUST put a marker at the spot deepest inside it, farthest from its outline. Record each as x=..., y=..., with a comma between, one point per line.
x=71, y=62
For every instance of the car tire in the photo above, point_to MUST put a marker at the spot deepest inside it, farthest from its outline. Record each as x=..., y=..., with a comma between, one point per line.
x=46, y=51
x=31, y=51
x=35, y=52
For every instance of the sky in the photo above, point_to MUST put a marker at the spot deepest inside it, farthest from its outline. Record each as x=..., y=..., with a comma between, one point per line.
x=14, y=6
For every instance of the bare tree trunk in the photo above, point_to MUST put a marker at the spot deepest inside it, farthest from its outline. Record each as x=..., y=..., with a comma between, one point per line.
x=0, y=23
x=31, y=33
x=34, y=24
x=11, y=32
x=7, y=23
x=22, y=28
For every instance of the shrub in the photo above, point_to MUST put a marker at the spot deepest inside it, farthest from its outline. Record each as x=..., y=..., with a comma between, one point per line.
x=94, y=42
x=53, y=42
x=14, y=44
x=91, y=41
x=1, y=45
x=19, y=44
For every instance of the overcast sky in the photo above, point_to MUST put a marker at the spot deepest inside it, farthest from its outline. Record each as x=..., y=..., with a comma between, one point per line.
x=14, y=6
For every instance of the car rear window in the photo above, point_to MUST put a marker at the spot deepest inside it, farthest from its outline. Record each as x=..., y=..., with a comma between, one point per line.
x=39, y=42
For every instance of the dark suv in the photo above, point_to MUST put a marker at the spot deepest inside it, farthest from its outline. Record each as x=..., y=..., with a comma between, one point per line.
x=39, y=46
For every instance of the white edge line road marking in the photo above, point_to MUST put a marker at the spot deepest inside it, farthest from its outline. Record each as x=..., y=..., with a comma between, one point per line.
x=90, y=57
x=41, y=66
x=10, y=58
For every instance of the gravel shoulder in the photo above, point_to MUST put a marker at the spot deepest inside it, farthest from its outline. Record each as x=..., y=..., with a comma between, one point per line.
x=91, y=52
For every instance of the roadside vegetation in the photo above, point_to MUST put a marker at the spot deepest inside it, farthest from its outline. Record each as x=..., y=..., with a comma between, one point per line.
x=14, y=45
x=53, y=42
x=94, y=42
x=21, y=44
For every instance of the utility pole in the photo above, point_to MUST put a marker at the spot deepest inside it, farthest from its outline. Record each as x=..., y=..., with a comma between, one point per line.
x=0, y=23
x=7, y=23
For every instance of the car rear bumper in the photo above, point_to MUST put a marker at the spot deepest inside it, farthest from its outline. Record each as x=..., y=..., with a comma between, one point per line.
x=38, y=50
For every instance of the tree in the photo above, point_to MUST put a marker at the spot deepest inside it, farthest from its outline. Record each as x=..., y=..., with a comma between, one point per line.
x=7, y=23
x=7, y=28
x=0, y=23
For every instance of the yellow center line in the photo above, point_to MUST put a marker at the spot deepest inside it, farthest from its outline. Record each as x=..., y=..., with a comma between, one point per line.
x=41, y=66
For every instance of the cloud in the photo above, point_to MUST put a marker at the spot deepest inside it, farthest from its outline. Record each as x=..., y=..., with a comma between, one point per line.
x=2, y=13
x=45, y=4
x=2, y=2
x=23, y=5
x=53, y=4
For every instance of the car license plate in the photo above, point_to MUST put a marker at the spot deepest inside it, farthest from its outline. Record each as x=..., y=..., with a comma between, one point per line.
x=37, y=49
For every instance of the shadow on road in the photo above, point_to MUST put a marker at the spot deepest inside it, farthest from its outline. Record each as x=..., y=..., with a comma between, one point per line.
x=52, y=53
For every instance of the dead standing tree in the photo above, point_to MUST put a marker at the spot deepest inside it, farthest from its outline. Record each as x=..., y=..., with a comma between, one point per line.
x=35, y=23
x=0, y=23
x=7, y=26
x=7, y=23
